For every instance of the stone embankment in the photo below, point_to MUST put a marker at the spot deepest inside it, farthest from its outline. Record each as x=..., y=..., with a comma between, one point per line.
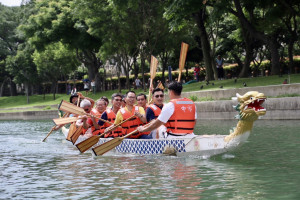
x=277, y=108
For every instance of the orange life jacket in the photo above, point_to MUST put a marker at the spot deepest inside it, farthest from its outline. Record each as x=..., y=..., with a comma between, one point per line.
x=95, y=113
x=111, y=117
x=132, y=124
x=183, y=119
x=156, y=110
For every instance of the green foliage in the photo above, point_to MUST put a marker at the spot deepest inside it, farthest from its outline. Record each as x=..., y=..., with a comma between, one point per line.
x=193, y=98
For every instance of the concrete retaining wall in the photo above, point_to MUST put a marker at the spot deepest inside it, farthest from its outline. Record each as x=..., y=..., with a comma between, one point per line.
x=277, y=108
x=29, y=115
x=271, y=91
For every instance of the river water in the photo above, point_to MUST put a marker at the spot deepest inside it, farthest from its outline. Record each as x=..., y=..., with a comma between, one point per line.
x=266, y=167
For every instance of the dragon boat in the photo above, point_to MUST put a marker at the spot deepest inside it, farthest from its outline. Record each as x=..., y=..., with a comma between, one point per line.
x=249, y=109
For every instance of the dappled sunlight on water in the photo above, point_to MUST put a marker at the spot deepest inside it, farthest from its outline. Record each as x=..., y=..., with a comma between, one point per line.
x=266, y=167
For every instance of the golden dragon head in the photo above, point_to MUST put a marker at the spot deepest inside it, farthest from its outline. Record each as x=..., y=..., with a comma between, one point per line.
x=250, y=105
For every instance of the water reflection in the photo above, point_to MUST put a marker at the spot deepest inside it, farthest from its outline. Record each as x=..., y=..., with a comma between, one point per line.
x=266, y=167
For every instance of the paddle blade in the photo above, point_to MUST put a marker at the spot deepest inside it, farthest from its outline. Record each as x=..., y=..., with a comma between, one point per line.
x=61, y=121
x=76, y=134
x=68, y=107
x=153, y=67
x=183, y=52
x=72, y=129
x=107, y=146
x=88, y=143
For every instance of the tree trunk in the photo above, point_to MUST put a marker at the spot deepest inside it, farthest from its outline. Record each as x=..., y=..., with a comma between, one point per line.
x=211, y=72
x=142, y=70
x=136, y=68
x=13, y=88
x=290, y=52
x=248, y=58
x=27, y=92
x=119, y=82
x=53, y=88
x=2, y=86
x=273, y=46
x=269, y=40
x=90, y=60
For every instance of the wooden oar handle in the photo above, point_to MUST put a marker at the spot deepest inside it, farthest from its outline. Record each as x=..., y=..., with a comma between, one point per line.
x=133, y=132
x=118, y=125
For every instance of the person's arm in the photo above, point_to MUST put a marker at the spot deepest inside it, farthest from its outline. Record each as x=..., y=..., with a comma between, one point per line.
x=154, y=124
x=83, y=97
x=141, y=114
x=85, y=124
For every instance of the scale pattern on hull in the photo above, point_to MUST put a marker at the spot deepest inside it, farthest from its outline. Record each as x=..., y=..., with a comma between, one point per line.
x=148, y=147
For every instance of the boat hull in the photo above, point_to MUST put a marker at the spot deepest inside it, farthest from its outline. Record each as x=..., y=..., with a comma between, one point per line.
x=202, y=145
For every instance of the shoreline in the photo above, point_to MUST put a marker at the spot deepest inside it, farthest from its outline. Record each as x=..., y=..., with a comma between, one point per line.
x=277, y=108
x=287, y=108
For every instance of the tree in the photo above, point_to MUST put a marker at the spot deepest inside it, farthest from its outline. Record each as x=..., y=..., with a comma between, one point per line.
x=9, y=41
x=181, y=12
x=56, y=21
x=22, y=68
x=55, y=61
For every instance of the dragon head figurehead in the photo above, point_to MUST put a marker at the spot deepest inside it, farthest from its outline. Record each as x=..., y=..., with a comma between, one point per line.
x=250, y=109
x=250, y=105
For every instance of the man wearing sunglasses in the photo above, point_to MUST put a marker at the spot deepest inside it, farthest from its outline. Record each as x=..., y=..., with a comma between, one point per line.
x=179, y=115
x=154, y=110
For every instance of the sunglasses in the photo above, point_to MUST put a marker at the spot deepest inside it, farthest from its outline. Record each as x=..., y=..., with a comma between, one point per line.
x=161, y=96
x=87, y=109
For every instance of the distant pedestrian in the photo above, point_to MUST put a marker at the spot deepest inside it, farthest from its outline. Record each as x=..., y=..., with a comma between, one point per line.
x=86, y=87
x=219, y=63
x=197, y=72
x=68, y=89
x=93, y=85
x=138, y=83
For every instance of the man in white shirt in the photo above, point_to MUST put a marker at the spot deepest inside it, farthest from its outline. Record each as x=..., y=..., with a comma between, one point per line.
x=179, y=115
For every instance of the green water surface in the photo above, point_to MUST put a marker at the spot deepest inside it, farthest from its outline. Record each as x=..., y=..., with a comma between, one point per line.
x=266, y=167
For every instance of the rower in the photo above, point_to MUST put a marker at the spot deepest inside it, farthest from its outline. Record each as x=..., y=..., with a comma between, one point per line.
x=179, y=115
x=154, y=110
x=129, y=110
x=87, y=107
x=110, y=115
x=101, y=106
x=74, y=98
x=142, y=100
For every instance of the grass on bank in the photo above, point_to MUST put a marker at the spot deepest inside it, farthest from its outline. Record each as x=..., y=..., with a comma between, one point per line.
x=37, y=100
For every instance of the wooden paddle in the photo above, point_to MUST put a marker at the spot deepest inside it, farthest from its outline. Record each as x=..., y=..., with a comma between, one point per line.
x=68, y=107
x=62, y=121
x=52, y=129
x=59, y=121
x=76, y=134
x=183, y=52
x=88, y=143
x=153, y=67
x=109, y=145
x=72, y=130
